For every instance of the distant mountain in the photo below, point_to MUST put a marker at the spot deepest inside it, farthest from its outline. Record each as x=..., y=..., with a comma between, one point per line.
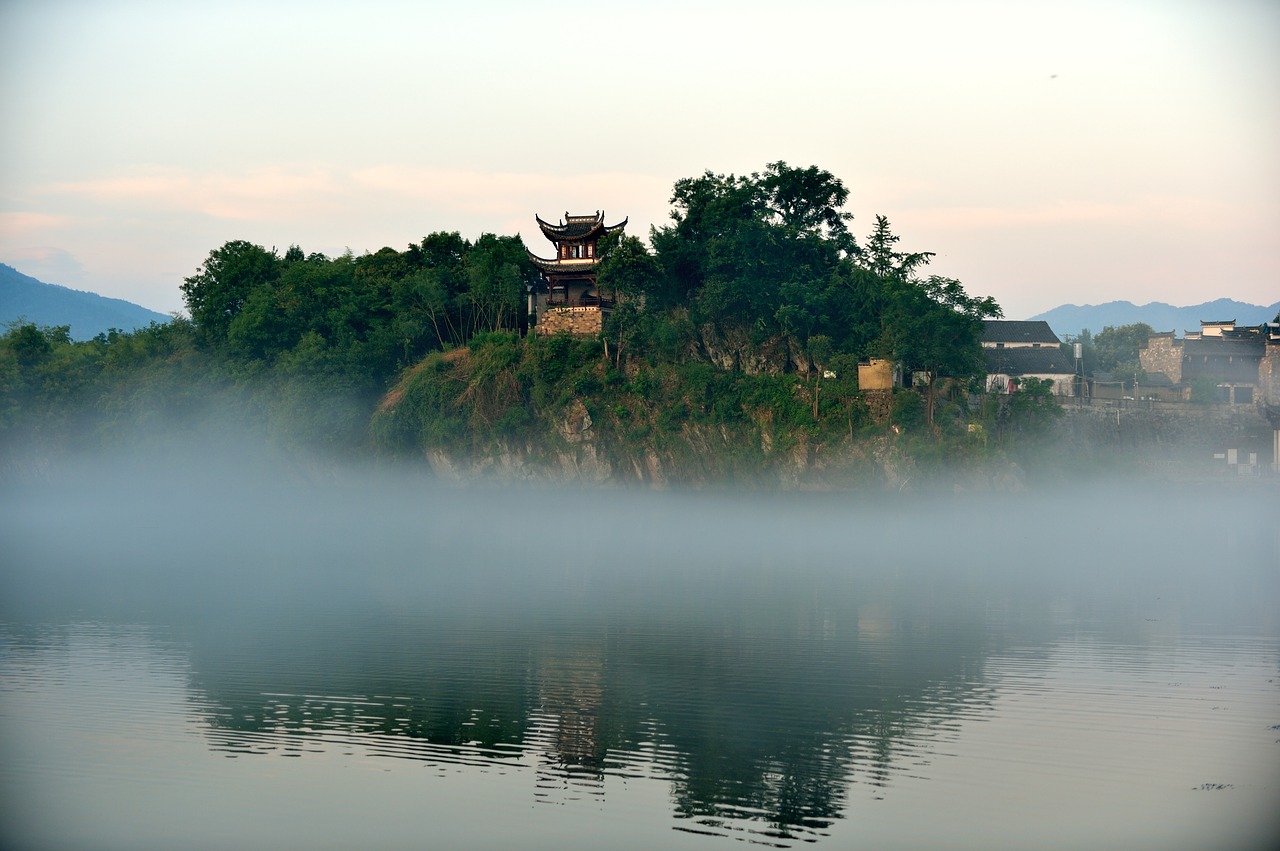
x=88, y=314
x=1072, y=319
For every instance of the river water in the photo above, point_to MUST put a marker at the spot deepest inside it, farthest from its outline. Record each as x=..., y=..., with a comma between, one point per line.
x=210, y=662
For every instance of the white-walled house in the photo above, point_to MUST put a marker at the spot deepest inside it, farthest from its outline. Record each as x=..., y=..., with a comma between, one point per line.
x=1017, y=350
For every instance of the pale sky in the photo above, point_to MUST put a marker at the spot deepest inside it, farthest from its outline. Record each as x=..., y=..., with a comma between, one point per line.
x=1049, y=152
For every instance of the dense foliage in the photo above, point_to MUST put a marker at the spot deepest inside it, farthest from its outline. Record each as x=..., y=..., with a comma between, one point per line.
x=716, y=354
x=772, y=253
x=374, y=314
x=556, y=403
x=1113, y=351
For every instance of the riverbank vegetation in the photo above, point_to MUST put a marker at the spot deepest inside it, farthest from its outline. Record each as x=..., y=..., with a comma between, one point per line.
x=732, y=354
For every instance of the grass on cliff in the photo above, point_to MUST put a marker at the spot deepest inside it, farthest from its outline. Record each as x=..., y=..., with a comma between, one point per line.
x=504, y=393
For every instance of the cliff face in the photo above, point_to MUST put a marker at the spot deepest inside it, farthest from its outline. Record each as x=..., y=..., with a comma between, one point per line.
x=574, y=450
x=734, y=349
x=559, y=410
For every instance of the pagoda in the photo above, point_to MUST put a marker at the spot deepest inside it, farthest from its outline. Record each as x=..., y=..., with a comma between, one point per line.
x=569, y=300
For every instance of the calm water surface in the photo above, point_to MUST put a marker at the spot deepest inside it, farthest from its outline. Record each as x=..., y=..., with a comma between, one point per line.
x=380, y=663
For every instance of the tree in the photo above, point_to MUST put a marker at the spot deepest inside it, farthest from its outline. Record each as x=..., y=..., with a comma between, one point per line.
x=1032, y=408
x=1118, y=348
x=707, y=212
x=757, y=251
x=807, y=202
x=933, y=326
x=217, y=292
x=1088, y=351
x=1120, y=345
x=881, y=259
x=498, y=271
x=629, y=270
x=635, y=278
x=431, y=294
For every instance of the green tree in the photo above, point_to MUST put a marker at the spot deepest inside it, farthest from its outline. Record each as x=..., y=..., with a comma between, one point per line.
x=807, y=202
x=498, y=271
x=1119, y=345
x=629, y=270
x=1089, y=352
x=217, y=292
x=635, y=279
x=1032, y=408
x=933, y=326
x=430, y=293
x=755, y=250
x=882, y=259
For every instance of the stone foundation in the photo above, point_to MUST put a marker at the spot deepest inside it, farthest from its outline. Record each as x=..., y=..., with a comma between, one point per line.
x=579, y=321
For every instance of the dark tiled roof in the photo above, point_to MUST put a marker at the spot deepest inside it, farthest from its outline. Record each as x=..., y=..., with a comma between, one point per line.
x=1027, y=361
x=577, y=227
x=1010, y=331
x=556, y=267
x=1251, y=346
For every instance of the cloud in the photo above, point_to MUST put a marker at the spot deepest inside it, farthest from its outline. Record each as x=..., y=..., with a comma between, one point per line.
x=506, y=201
x=46, y=263
x=503, y=201
x=261, y=193
x=21, y=224
x=1145, y=211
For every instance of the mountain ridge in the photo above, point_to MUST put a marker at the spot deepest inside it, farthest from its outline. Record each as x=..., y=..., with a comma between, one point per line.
x=1072, y=319
x=25, y=298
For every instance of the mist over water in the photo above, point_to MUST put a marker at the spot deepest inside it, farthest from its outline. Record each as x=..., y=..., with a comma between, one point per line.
x=225, y=655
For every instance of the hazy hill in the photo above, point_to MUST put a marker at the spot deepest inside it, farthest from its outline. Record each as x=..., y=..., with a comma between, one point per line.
x=1072, y=319
x=88, y=314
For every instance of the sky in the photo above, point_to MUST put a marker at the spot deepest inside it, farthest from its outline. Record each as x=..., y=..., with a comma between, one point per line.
x=1047, y=152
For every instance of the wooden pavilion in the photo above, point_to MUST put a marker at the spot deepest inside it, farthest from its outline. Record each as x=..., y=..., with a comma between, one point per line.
x=569, y=299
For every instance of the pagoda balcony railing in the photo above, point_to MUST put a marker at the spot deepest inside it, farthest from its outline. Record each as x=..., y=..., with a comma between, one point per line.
x=584, y=301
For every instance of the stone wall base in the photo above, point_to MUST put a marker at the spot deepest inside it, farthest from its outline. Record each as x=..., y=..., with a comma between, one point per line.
x=579, y=321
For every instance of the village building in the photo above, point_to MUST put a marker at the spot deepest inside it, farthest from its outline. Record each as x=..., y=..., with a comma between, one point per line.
x=1219, y=353
x=878, y=374
x=1016, y=350
x=567, y=299
x=1240, y=365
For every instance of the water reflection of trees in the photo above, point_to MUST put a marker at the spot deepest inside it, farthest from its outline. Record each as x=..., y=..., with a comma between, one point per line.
x=760, y=709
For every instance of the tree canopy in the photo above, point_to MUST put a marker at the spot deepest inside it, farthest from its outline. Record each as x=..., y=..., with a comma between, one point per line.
x=772, y=252
x=309, y=343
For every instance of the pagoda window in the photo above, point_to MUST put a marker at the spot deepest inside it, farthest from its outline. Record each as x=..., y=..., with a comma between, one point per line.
x=591, y=249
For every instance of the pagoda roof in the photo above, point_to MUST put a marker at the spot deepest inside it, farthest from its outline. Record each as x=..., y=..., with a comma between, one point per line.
x=574, y=228
x=586, y=266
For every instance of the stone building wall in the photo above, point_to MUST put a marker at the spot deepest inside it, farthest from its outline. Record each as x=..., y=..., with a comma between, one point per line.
x=1163, y=353
x=1269, y=375
x=579, y=321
